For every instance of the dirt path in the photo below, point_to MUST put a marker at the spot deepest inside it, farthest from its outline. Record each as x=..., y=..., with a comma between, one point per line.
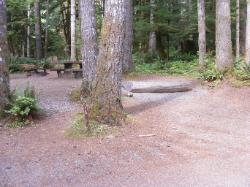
x=202, y=139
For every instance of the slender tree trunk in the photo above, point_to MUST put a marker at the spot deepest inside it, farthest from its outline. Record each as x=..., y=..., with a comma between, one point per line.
x=248, y=34
x=73, y=30
x=202, y=32
x=237, y=29
x=224, y=58
x=106, y=93
x=128, y=46
x=65, y=11
x=46, y=30
x=38, y=30
x=152, y=36
x=89, y=42
x=4, y=78
x=28, y=32
x=243, y=16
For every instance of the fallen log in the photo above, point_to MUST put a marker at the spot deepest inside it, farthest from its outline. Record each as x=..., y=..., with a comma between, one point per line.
x=164, y=89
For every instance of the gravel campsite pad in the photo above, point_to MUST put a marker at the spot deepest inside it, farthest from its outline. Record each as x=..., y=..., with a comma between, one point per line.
x=196, y=138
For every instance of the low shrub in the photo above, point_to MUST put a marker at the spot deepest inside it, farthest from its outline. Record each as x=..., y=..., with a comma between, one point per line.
x=241, y=70
x=16, y=62
x=23, y=108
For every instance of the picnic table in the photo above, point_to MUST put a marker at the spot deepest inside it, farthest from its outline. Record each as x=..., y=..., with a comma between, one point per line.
x=68, y=69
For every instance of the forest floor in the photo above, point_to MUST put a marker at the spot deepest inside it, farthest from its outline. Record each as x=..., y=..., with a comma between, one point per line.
x=202, y=138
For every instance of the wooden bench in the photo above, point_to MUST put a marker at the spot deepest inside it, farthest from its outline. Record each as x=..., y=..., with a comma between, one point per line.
x=58, y=70
x=77, y=73
x=28, y=68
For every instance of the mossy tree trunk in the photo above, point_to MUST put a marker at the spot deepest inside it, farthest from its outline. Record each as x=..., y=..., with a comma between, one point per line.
x=224, y=56
x=4, y=78
x=89, y=42
x=106, y=89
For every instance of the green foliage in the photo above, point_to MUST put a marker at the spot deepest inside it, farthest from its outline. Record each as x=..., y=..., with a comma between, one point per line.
x=79, y=130
x=210, y=72
x=16, y=62
x=168, y=68
x=241, y=70
x=23, y=108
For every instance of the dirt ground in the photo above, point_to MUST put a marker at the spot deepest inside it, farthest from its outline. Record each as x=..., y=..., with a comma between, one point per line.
x=202, y=138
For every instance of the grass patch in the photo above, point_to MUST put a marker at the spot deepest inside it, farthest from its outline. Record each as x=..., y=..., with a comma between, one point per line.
x=75, y=95
x=79, y=130
x=174, y=68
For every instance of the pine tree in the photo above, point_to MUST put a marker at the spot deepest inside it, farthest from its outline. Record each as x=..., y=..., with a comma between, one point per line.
x=224, y=58
x=106, y=93
x=4, y=78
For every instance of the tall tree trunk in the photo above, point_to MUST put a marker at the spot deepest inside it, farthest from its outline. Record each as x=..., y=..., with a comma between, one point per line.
x=152, y=36
x=89, y=42
x=237, y=28
x=73, y=30
x=106, y=92
x=202, y=32
x=46, y=30
x=38, y=30
x=243, y=15
x=28, y=32
x=224, y=58
x=4, y=78
x=128, y=45
x=247, y=34
x=65, y=11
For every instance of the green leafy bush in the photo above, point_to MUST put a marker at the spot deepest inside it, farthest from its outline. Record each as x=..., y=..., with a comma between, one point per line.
x=16, y=62
x=210, y=72
x=23, y=108
x=241, y=70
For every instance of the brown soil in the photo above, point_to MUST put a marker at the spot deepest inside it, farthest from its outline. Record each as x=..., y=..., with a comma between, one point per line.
x=202, y=138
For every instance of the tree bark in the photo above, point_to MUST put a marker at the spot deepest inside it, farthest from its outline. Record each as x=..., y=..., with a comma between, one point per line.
x=237, y=29
x=224, y=58
x=4, y=76
x=106, y=92
x=247, y=34
x=128, y=45
x=202, y=32
x=89, y=42
x=243, y=15
x=38, y=30
x=152, y=36
x=46, y=30
x=28, y=32
x=73, y=30
x=65, y=11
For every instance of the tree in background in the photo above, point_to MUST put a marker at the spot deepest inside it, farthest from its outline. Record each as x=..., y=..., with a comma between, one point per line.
x=224, y=58
x=106, y=92
x=4, y=78
x=89, y=47
x=46, y=30
x=202, y=32
x=237, y=29
x=152, y=36
x=128, y=45
x=28, y=31
x=73, y=30
x=38, y=29
x=248, y=34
